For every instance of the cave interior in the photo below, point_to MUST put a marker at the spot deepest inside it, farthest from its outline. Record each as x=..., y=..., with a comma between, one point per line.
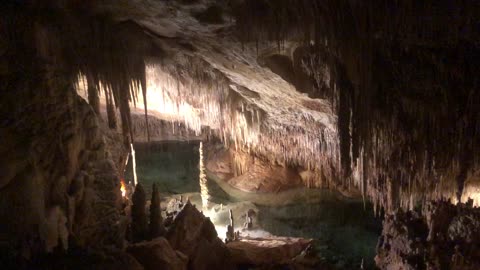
x=240, y=134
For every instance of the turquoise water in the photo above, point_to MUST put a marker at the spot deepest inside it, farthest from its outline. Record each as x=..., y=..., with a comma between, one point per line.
x=173, y=166
x=345, y=231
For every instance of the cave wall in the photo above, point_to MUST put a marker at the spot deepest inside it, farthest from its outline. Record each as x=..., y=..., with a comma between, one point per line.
x=59, y=184
x=396, y=86
x=442, y=236
x=249, y=172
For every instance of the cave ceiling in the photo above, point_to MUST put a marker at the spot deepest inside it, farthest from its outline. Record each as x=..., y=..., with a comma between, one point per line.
x=379, y=96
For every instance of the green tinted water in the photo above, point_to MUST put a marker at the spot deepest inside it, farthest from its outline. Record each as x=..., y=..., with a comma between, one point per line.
x=345, y=231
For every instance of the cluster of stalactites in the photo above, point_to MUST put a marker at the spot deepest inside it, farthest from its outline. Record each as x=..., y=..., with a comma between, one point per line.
x=91, y=50
x=197, y=95
x=117, y=95
x=396, y=155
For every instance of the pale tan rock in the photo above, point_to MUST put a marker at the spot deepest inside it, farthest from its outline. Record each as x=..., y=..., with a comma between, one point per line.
x=267, y=251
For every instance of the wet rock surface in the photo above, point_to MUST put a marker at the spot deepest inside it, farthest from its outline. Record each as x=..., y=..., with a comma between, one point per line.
x=445, y=236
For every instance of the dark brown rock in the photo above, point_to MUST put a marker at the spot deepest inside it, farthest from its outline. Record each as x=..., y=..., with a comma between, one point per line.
x=156, y=226
x=139, y=215
x=446, y=236
x=158, y=254
x=194, y=235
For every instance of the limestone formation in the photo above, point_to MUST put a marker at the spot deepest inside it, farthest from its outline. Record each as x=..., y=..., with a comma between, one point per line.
x=194, y=235
x=248, y=221
x=139, y=216
x=445, y=236
x=251, y=173
x=267, y=251
x=230, y=233
x=380, y=97
x=156, y=226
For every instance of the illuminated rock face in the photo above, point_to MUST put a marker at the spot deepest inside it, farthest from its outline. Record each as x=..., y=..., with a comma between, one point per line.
x=248, y=173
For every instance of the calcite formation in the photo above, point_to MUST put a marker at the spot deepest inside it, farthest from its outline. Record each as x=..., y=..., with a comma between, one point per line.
x=379, y=96
x=328, y=86
x=56, y=172
x=399, y=80
x=194, y=235
x=139, y=216
x=249, y=173
x=445, y=236
x=156, y=227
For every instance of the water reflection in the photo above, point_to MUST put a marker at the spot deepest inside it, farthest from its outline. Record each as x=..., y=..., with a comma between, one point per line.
x=345, y=232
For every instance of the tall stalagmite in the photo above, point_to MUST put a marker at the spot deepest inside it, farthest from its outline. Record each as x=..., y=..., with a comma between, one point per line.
x=156, y=222
x=139, y=216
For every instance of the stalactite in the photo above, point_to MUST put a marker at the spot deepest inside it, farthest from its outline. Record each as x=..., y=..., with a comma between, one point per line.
x=144, y=92
x=383, y=135
x=125, y=116
x=111, y=115
x=361, y=62
x=93, y=96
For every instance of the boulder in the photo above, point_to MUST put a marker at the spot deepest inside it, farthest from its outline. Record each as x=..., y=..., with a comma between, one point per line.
x=267, y=251
x=158, y=254
x=194, y=235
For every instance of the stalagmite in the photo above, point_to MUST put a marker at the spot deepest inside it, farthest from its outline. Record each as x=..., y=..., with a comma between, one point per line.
x=156, y=222
x=377, y=96
x=248, y=221
x=230, y=233
x=203, y=179
x=134, y=164
x=139, y=226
